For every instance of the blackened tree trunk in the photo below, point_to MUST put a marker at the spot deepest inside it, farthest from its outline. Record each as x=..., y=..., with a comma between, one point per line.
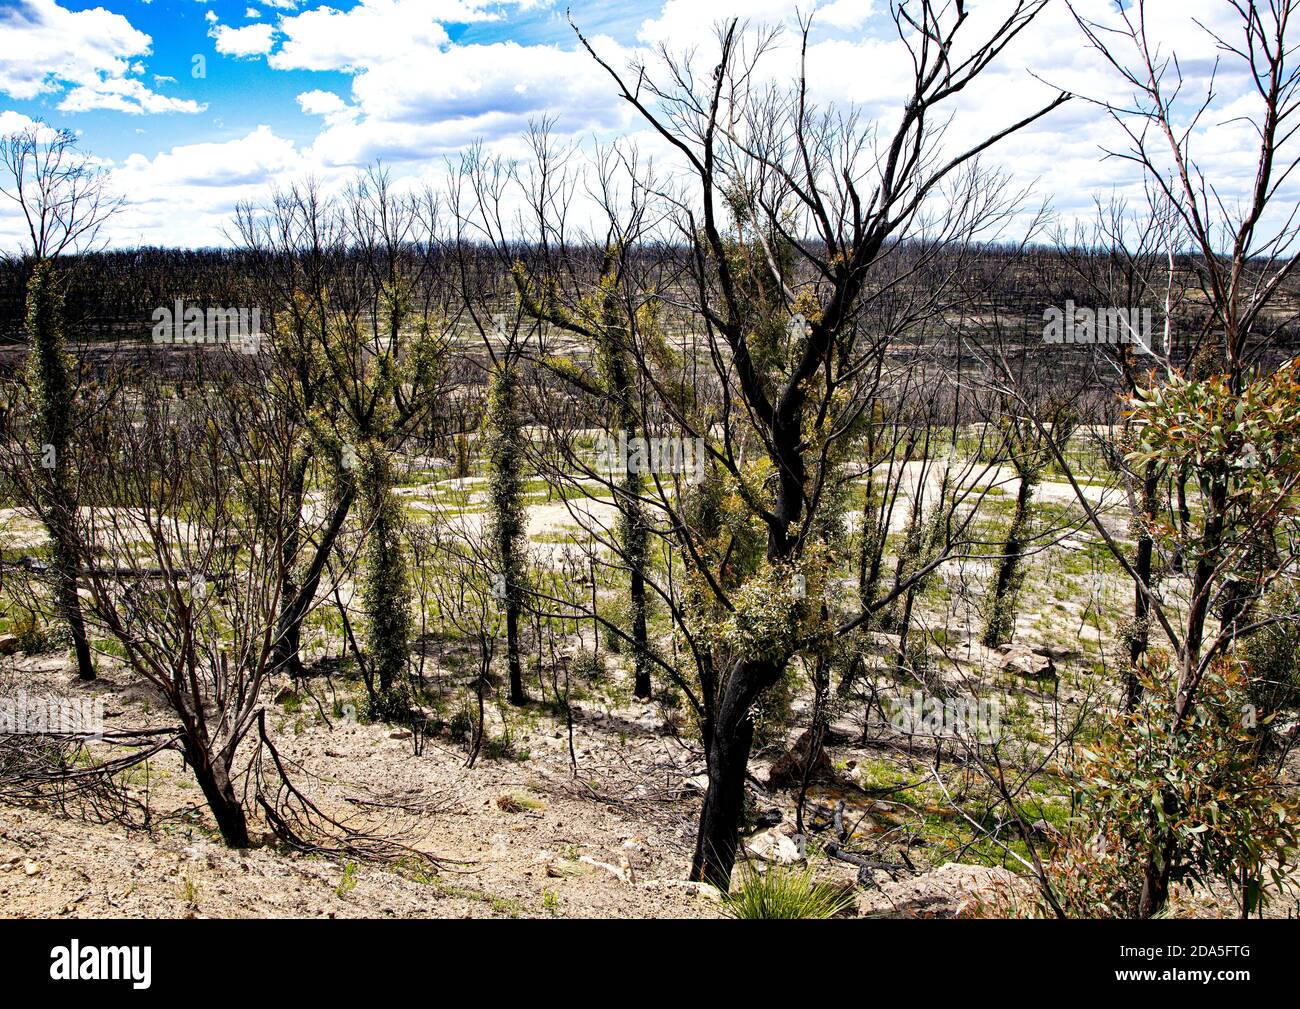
x=295, y=606
x=288, y=632
x=729, y=737
x=1160, y=862
x=1000, y=627
x=513, y=666
x=211, y=766
x=213, y=777
x=641, y=687
x=508, y=521
x=1140, y=637
x=67, y=566
x=384, y=585
x=633, y=534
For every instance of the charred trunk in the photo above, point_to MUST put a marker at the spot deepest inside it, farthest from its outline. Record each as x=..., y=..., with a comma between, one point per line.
x=730, y=736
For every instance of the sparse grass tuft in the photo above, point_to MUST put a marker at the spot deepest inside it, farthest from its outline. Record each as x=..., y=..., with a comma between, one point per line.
x=785, y=893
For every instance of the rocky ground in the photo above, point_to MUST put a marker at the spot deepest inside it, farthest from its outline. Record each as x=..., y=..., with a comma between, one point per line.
x=597, y=818
x=519, y=836
x=512, y=837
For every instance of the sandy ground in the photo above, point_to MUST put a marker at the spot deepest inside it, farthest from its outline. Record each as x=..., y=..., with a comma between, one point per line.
x=527, y=836
x=515, y=838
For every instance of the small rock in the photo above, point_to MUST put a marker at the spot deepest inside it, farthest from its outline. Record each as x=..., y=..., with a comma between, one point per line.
x=31, y=868
x=950, y=891
x=789, y=769
x=1030, y=664
x=400, y=734
x=773, y=846
x=617, y=872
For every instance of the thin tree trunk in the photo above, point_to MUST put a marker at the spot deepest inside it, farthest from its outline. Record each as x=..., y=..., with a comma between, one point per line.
x=66, y=570
x=1159, y=867
x=641, y=659
x=1143, y=562
x=294, y=609
x=213, y=777
x=1001, y=626
x=50, y=371
x=517, y=694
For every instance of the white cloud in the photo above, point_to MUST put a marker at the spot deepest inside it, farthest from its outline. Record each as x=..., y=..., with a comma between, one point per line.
x=328, y=105
x=45, y=48
x=371, y=33
x=15, y=122
x=686, y=24
x=251, y=40
x=683, y=21
x=187, y=195
x=123, y=94
x=417, y=97
x=844, y=14
x=320, y=103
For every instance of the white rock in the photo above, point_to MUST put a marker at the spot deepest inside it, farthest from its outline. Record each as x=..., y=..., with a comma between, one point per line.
x=1024, y=662
x=774, y=846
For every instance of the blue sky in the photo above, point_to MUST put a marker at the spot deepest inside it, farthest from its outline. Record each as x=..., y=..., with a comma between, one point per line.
x=197, y=105
x=240, y=92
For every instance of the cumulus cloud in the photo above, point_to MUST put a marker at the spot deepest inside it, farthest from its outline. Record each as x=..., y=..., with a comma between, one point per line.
x=328, y=105
x=46, y=49
x=371, y=33
x=320, y=103
x=416, y=93
x=845, y=14
x=251, y=40
x=187, y=195
x=12, y=122
x=683, y=24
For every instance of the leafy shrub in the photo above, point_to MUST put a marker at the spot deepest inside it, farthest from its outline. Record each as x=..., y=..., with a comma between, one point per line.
x=36, y=638
x=1273, y=655
x=1195, y=793
x=588, y=666
x=619, y=614
x=774, y=710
